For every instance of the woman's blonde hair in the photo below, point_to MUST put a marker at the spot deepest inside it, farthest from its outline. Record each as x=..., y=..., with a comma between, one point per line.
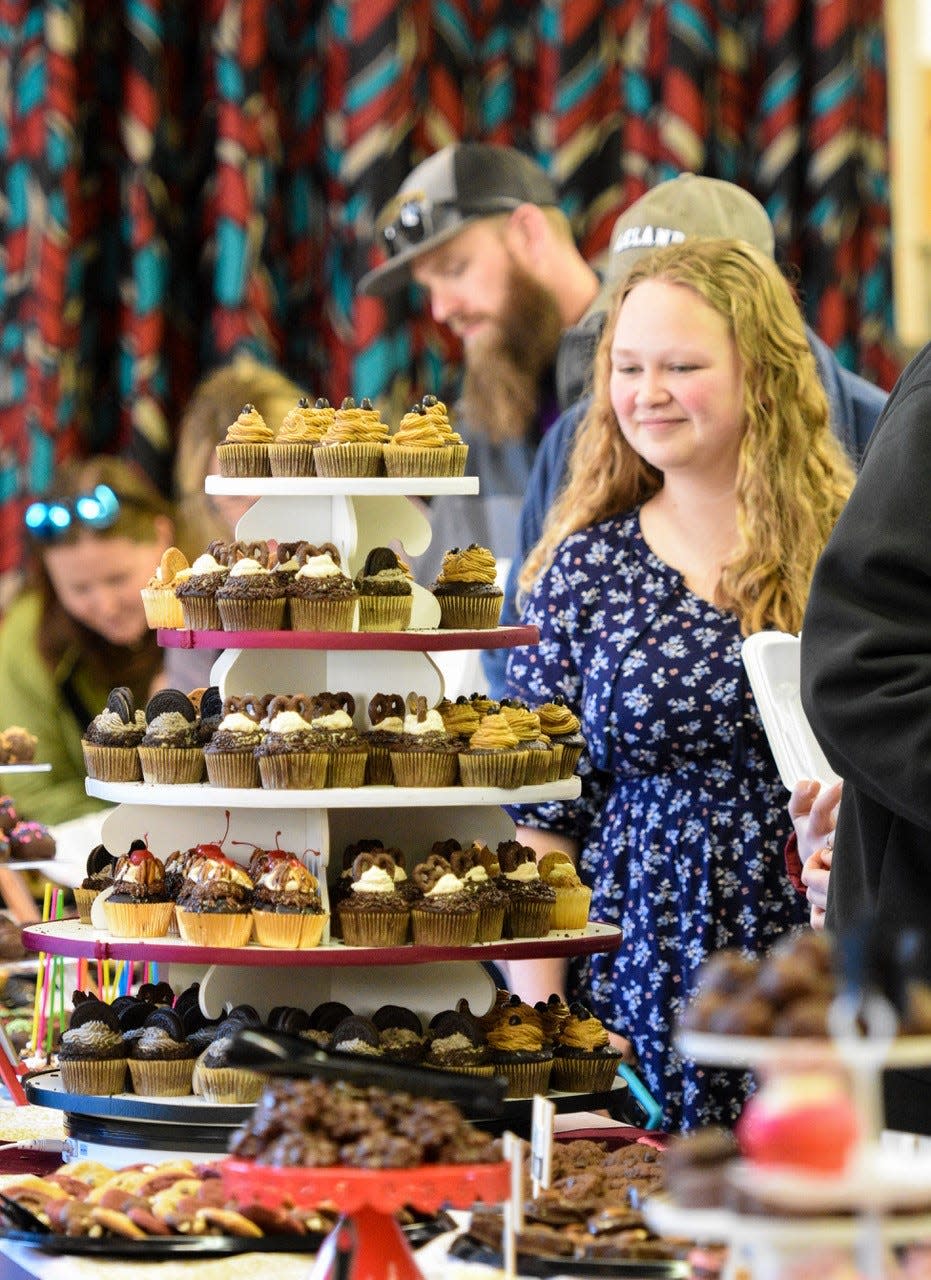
x=793, y=476
x=214, y=404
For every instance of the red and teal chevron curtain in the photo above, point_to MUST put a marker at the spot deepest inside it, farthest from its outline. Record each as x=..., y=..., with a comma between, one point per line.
x=183, y=178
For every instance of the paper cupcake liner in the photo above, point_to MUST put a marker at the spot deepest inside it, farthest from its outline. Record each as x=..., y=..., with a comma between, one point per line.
x=99, y=1076
x=525, y=1078
x=162, y=607
x=490, y=924
x=232, y=768
x=529, y=919
x=571, y=908
x=201, y=613
x=457, y=461
x=541, y=767
x=385, y=613
x=425, y=768
x=294, y=930
x=378, y=772
x=294, y=771
x=590, y=1074
x=346, y=768
x=401, y=460
x=138, y=919
x=568, y=759
x=214, y=928
x=484, y=1072
x=238, y=460
x=374, y=928
x=434, y=929
x=84, y=900
x=227, y=1085
x=335, y=460
x=322, y=615
x=470, y=612
x=294, y=458
x=171, y=765
x=252, y=615
x=111, y=764
x=493, y=768
x=168, y=1078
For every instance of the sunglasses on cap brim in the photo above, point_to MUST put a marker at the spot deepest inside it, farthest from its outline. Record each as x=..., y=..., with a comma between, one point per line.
x=412, y=219
x=49, y=518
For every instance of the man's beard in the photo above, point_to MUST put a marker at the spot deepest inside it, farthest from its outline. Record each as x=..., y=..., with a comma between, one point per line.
x=505, y=366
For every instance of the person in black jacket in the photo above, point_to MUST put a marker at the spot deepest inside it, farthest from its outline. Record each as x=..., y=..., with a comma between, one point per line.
x=866, y=689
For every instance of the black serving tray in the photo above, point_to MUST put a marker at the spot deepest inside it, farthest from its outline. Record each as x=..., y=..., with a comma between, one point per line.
x=468, y=1249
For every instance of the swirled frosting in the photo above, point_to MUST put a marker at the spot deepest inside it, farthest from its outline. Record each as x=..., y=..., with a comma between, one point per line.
x=515, y=1036
x=493, y=734
x=249, y=428
x=583, y=1031
x=526, y=724
x=353, y=424
x=475, y=564
x=557, y=720
x=305, y=424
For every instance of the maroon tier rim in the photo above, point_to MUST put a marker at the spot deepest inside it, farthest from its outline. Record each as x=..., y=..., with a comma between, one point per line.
x=425, y=641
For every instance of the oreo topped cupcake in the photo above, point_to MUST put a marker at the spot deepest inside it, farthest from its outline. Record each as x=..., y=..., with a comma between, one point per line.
x=400, y=1032
x=92, y=1055
x=161, y=1060
x=457, y=1043
x=385, y=592
x=169, y=751
x=100, y=867
x=110, y=740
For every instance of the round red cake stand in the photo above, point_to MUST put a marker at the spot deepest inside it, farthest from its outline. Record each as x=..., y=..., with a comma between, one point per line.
x=367, y=1200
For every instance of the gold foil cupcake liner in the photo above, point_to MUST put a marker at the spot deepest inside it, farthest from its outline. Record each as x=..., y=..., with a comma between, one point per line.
x=295, y=458
x=322, y=615
x=232, y=768
x=470, y=612
x=171, y=765
x=294, y=771
x=378, y=772
x=385, y=613
x=167, y=1078
x=436, y=929
x=214, y=928
x=138, y=919
x=541, y=767
x=243, y=460
x=297, y=931
x=348, y=460
x=253, y=615
x=570, y=911
x=111, y=764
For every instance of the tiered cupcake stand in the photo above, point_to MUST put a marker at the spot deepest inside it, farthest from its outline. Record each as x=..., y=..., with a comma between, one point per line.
x=356, y=515
x=880, y=1201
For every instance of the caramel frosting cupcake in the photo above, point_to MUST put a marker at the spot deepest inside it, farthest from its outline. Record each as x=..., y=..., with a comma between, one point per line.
x=244, y=451
x=584, y=1060
x=291, y=453
x=426, y=755
x=519, y=1051
x=322, y=597
x=354, y=443
x=386, y=720
x=437, y=413
x=461, y=717
x=465, y=587
x=373, y=913
x=562, y=727
x=542, y=760
x=162, y=607
x=419, y=447
x=197, y=590
x=110, y=740
x=554, y=1014
x=494, y=756
x=446, y=912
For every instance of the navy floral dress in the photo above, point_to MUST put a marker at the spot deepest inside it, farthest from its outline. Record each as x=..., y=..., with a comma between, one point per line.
x=682, y=819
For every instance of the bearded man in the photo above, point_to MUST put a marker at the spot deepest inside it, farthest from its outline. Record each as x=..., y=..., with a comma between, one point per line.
x=479, y=228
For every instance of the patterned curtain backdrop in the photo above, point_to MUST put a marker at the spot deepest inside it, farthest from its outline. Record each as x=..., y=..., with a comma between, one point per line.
x=184, y=178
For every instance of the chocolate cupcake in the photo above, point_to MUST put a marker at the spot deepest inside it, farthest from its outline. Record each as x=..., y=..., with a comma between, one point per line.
x=197, y=591
x=286, y=906
x=530, y=902
x=214, y=907
x=169, y=751
x=584, y=1061
x=445, y=914
x=386, y=720
x=230, y=754
x=161, y=1060
x=138, y=905
x=357, y=1035
x=519, y=1050
x=292, y=754
x=252, y=597
x=457, y=1043
x=321, y=597
x=385, y=592
x=92, y=1055
x=215, y=1078
x=426, y=755
x=331, y=716
x=400, y=1033
x=467, y=591
x=489, y=897
x=374, y=913
x=100, y=867
x=110, y=740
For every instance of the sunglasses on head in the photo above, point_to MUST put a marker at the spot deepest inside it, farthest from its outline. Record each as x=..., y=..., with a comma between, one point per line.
x=414, y=218
x=48, y=519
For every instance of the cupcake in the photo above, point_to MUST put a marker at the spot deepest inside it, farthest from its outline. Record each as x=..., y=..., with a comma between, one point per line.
x=169, y=751
x=244, y=451
x=354, y=442
x=291, y=453
x=321, y=596
x=230, y=753
x=286, y=907
x=138, y=905
x=251, y=597
x=292, y=754
x=216, y=1079
x=331, y=717
x=30, y=842
x=494, y=756
x=436, y=412
x=489, y=898
x=446, y=913
x=385, y=592
x=214, y=907
x=530, y=902
x=465, y=587
x=373, y=913
x=358, y=1035
x=386, y=720
x=110, y=740
x=583, y=1061
x=460, y=718
x=573, y=898
x=457, y=1043
x=554, y=1013
x=561, y=726
x=101, y=864
x=162, y=608
x=419, y=447
x=519, y=1050
x=197, y=590
x=161, y=1059
x=542, y=759
x=92, y=1055
x=426, y=755
x=400, y=1033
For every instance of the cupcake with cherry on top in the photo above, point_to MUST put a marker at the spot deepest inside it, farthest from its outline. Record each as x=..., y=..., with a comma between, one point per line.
x=286, y=906
x=214, y=907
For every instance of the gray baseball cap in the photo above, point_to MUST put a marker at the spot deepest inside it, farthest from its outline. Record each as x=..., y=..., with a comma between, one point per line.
x=449, y=190
x=683, y=207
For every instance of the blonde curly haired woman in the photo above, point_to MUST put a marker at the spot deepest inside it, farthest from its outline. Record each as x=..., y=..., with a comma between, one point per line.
x=702, y=486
